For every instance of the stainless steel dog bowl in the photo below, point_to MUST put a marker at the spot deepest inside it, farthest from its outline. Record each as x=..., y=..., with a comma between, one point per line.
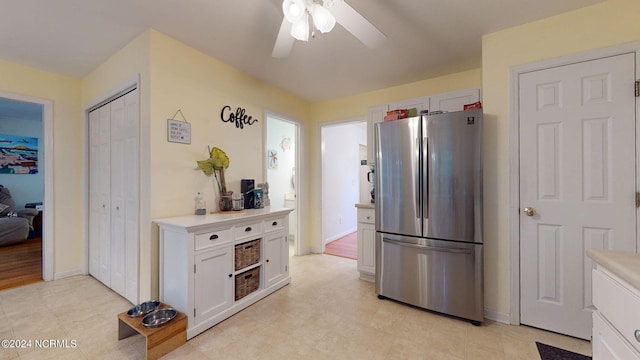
x=159, y=317
x=144, y=308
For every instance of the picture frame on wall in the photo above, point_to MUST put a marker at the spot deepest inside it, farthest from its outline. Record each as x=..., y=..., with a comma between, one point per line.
x=18, y=154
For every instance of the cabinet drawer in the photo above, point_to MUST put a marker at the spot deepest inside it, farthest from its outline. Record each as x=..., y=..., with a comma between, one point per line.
x=366, y=216
x=618, y=304
x=213, y=238
x=607, y=343
x=274, y=224
x=248, y=230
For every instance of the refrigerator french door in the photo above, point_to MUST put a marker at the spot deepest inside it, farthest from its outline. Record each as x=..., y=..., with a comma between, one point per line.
x=429, y=212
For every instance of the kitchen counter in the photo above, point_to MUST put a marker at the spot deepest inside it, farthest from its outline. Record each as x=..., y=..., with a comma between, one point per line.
x=366, y=206
x=625, y=265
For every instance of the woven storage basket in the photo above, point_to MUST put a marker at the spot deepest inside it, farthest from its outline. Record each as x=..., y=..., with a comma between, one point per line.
x=247, y=254
x=247, y=282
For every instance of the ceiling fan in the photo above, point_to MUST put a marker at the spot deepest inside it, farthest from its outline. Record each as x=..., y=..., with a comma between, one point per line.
x=301, y=16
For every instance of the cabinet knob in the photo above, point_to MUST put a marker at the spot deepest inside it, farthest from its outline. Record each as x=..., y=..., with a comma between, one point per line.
x=368, y=217
x=230, y=275
x=213, y=237
x=247, y=229
x=268, y=261
x=117, y=207
x=275, y=223
x=636, y=334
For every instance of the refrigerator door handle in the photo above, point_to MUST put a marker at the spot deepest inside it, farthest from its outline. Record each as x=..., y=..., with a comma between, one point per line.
x=425, y=210
x=417, y=181
x=428, y=248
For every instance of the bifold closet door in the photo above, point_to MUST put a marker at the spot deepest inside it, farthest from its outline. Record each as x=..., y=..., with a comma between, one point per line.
x=114, y=195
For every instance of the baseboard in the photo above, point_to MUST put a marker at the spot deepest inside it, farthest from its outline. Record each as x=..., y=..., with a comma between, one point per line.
x=338, y=236
x=496, y=316
x=64, y=274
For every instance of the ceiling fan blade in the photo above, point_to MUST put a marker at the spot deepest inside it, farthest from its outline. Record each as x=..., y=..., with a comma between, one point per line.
x=357, y=25
x=284, y=42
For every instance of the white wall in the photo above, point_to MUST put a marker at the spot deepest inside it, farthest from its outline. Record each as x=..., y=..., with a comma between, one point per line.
x=25, y=188
x=340, y=178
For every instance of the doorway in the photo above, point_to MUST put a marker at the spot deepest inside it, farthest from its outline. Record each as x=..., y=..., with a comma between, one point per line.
x=342, y=150
x=576, y=149
x=26, y=162
x=283, y=168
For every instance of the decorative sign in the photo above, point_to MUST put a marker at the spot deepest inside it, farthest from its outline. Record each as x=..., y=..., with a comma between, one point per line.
x=178, y=131
x=240, y=119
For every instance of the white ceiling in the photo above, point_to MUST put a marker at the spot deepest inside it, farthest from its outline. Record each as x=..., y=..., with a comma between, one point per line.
x=425, y=38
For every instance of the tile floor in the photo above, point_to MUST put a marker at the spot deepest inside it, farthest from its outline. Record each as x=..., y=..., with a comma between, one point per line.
x=325, y=313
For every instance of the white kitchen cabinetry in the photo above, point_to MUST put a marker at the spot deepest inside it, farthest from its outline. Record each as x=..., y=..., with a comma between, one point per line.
x=616, y=321
x=113, y=195
x=452, y=101
x=198, y=269
x=366, y=242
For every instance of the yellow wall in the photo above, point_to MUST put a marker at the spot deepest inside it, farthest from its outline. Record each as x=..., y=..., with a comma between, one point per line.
x=606, y=24
x=184, y=78
x=64, y=92
x=357, y=106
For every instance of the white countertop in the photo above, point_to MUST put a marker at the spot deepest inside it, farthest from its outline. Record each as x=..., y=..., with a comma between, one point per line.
x=625, y=265
x=193, y=222
x=366, y=206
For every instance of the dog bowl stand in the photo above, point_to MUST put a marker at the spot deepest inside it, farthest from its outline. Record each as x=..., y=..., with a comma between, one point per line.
x=160, y=340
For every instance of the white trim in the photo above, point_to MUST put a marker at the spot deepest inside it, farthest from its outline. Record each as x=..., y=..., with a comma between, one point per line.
x=338, y=236
x=301, y=198
x=496, y=316
x=72, y=272
x=319, y=246
x=514, y=149
x=48, y=240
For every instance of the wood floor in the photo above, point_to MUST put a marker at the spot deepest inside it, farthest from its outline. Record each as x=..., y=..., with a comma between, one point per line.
x=21, y=264
x=346, y=246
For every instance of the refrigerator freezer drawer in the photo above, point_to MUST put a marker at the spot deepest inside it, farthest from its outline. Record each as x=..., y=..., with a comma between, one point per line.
x=438, y=275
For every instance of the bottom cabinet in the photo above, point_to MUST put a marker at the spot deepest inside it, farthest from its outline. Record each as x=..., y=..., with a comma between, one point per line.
x=213, y=277
x=366, y=244
x=275, y=259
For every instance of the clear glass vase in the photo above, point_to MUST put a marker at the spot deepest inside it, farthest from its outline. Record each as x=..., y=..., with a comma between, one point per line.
x=226, y=201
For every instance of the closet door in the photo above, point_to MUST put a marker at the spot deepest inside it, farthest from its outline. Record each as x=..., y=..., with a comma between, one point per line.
x=114, y=202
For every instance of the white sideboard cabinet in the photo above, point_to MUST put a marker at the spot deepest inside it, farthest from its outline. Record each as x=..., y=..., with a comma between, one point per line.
x=215, y=265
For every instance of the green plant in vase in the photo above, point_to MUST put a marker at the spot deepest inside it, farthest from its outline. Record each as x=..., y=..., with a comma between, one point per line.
x=215, y=164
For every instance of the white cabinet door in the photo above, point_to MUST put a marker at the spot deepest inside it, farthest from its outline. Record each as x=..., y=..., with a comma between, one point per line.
x=213, y=282
x=276, y=261
x=366, y=248
x=421, y=103
x=607, y=344
x=375, y=115
x=454, y=101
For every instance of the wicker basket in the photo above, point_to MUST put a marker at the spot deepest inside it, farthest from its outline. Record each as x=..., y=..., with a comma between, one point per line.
x=247, y=254
x=247, y=282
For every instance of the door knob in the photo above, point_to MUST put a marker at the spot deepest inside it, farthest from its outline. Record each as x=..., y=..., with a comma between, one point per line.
x=529, y=211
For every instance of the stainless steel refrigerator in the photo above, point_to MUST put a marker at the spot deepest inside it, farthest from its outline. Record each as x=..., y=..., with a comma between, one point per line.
x=429, y=212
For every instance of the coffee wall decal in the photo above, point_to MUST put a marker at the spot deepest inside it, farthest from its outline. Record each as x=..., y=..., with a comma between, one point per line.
x=239, y=118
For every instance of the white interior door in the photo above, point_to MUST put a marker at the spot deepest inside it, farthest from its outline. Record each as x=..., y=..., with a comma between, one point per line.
x=114, y=195
x=577, y=170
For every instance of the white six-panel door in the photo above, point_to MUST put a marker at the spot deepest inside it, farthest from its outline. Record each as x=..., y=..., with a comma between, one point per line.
x=113, y=195
x=577, y=177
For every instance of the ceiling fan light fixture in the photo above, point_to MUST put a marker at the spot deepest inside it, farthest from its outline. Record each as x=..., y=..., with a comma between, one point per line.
x=322, y=18
x=294, y=10
x=300, y=29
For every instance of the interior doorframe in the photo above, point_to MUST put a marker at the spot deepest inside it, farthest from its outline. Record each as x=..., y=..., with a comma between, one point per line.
x=299, y=248
x=48, y=260
x=514, y=153
x=362, y=119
